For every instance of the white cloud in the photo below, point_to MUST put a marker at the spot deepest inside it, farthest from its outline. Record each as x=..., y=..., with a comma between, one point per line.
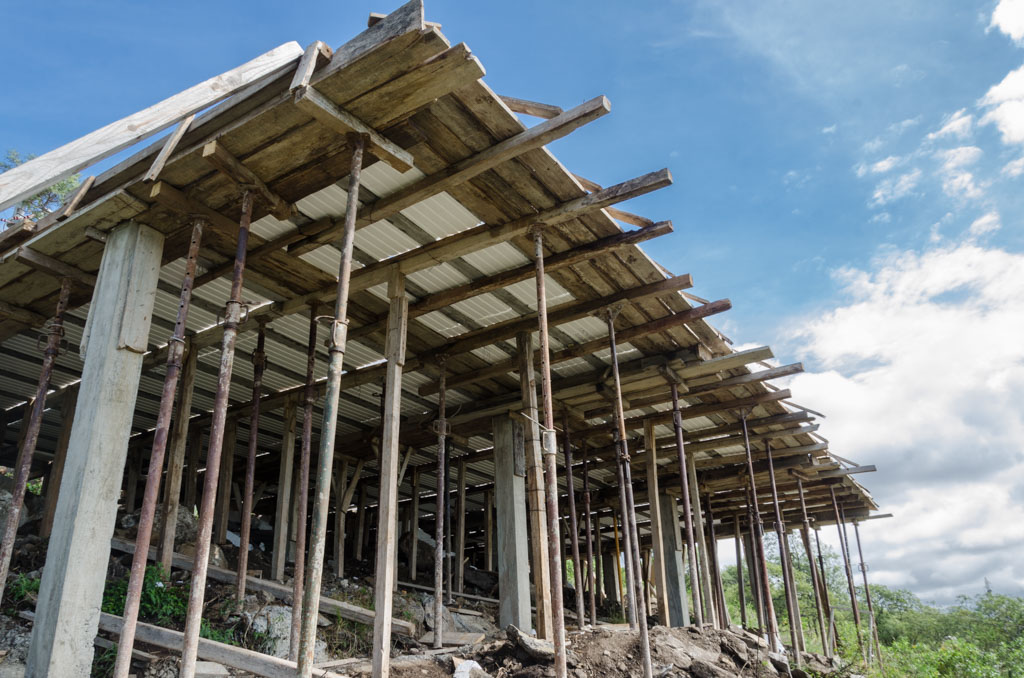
x=873, y=145
x=956, y=125
x=1005, y=104
x=882, y=218
x=987, y=223
x=1008, y=17
x=1014, y=168
x=831, y=129
x=921, y=372
x=883, y=166
x=895, y=188
x=957, y=182
x=903, y=125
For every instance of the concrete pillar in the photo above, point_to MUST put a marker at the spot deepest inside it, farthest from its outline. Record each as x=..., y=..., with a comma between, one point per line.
x=510, y=501
x=113, y=342
x=672, y=549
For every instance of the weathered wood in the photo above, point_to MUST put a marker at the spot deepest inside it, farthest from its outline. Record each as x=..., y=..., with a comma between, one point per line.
x=67, y=414
x=36, y=174
x=170, y=144
x=16, y=233
x=460, y=530
x=68, y=208
x=279, y=591
x=533, y=108
x=176, y=459
x=468, y=168
x=341, y=121
x=316, y=52
x=398, y=319
x=21, y=315
x=453, y=638
x=282, y=512
x=222, y=160
x=53, y=266
x=227, y=467
x=654, y=510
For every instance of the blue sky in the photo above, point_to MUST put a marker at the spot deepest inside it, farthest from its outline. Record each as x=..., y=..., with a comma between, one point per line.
x=845, y=173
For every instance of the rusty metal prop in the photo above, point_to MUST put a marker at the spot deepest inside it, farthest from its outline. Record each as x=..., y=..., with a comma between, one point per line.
x=31, y=426
x=232, y=317
x=867, y=595
x=787, y=583
x=845, y=551
x=259, y=364
x=442, y=492
x=805, y=536
x=175, y=351
x=757, y=530
x=691, y=548
x=328, y=430
x=573, y=524
x=630, y=510
x=591, y=578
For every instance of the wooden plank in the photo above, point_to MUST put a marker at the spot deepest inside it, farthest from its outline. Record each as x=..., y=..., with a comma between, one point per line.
x=341, y=121
x=726, y=362
x=222, y=160
x=16, y=233
x=315, y=51
x=533, y=108
x=54, y=267
x=170, y=144
x=39, y=173
x=453, y=638
x=21, y=315
x=462, y=171
x=71, y=205
x=280, y=591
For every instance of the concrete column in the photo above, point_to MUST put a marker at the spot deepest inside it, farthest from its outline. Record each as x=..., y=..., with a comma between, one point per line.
x=113, y=342
x=672, y=549
x=510, y=501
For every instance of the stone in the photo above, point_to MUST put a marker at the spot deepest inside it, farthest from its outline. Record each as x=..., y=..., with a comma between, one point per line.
x=467, y=623
x=702, y=669
x=469, y=669
x=734, y=647
x=217, y=557
x=540, y=650
x=11, y=669
x=210, y=670
x=448, y=622
x=276, y=622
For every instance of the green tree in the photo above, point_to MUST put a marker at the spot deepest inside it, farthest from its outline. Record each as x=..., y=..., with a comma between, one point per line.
x=44, y=202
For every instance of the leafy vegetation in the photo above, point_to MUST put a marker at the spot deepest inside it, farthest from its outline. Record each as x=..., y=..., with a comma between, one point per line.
x=44, y=202
x=978, y=637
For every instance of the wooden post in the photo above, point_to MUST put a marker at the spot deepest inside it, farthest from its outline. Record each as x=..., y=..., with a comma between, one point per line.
x=460, y=531
x=673, y=546
x=658, y=553
x=780, y=532
x=176, y=459
x=796, y=601
x=415, y=525
x=845, y=553
x=361, y=521
x=340, y=487
x=574, y=532
x=67, y=413
x=131, y=478
x=398, y=319
x=535, y=486
x=227, y=466
x=489, y=531
x=285, y=482
x=702, y=547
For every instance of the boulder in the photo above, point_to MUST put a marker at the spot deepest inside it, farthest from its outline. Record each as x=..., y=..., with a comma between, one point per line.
x=539, y=650
x=448, y=622
x=702, y=669
x=276, y=622
x=467, y=623
x=217, y=557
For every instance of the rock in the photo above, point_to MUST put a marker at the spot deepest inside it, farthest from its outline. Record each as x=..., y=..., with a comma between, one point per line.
x=162, y=668
x=276, y=622
x=734, y=647
x=6, y=498
x=779, y=661
x=428, y=615
x=15, y=637
x=217, y=557
x=469, y=669
x=701, y=669
x=210, y=670
x=472, y=624
x=540, y=650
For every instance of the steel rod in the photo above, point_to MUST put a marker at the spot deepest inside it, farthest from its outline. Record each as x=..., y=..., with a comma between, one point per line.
x=175, y=351
x=867, y=594
x=591, y=577
x=620, y=418
x=691, y=548
x=439, y=500
x=549, y=451
x=302, y=497
x=815, y=581
x=844, y=550
x=833, y=630
x=259, y=364
x=232, y=316
x=573, y=524
x=328, y=429
x=757, y=530
x=30, y=433
x=780, y=532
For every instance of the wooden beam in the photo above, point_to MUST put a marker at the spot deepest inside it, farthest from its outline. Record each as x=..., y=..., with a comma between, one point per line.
x=527, y=107
x=453, y=295
x=171, y=143
x=315, y=52
x=745, y=379
x=39, y=173
x=68, y=208
x=222, y=160
x=726, y=362
x=54, y=267
x=341, y=121
x=21, y=315
x=466, y=169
